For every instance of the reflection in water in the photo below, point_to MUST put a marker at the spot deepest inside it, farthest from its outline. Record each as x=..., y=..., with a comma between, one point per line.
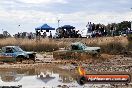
x=45, y=78
x=11, y=76
x=66, y=79
x=44, y=74
x=37, y=77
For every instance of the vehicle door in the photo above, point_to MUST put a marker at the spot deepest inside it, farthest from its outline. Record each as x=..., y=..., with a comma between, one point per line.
x=9, y=52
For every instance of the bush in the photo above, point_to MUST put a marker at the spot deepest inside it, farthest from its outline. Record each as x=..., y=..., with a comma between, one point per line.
x=130, y=37
x=113, y=48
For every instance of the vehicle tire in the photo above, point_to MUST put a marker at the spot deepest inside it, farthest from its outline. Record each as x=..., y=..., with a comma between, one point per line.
x=20, y=58
x=32, y=57
x=81, y=80
x=34, y=60
x=95, y=55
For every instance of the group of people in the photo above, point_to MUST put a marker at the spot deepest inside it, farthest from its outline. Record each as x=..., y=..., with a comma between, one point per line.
x=25, y=35
x=5, y=34
x=32, y=35
x=96, y=30
x=68, y=33
x=42, y=34
x=99, y=30
x=93, y=30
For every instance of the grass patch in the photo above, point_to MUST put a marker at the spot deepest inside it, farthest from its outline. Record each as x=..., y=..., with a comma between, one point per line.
x=130, y=42
x=31, y=45
x=130, y=37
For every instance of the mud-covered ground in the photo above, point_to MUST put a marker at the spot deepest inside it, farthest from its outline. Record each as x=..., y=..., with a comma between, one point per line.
x=105, y=64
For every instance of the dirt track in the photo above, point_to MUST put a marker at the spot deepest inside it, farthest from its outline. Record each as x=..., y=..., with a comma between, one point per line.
x=106, y=63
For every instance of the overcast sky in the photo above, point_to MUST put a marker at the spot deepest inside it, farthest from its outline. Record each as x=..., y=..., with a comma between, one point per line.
x=33, y=13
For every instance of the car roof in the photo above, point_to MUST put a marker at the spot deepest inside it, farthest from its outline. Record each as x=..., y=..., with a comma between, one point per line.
x=77, y=43
x=11, y=46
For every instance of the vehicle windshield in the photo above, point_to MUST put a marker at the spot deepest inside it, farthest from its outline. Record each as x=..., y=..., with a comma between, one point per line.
x=18, y=49
x=79, y=46
x=83, y=46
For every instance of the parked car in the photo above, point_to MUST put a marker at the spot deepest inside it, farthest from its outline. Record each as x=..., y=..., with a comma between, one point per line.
x=15, y=53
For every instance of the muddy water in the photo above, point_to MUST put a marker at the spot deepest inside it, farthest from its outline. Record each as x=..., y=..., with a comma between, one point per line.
x=43, y=77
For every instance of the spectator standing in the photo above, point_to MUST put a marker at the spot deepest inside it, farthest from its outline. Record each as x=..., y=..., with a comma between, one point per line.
x=50, y=35
x=44, y=35
x=93, y=27
x=112, y=30
x=38, y=35
x=88, y=26
x=102, y=31
x=18, y=35
x=29, y=36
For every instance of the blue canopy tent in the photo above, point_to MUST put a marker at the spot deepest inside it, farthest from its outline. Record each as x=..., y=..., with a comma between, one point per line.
x=44, y=27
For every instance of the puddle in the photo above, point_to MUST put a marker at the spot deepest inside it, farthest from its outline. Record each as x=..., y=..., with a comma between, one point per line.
x=43, y=77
